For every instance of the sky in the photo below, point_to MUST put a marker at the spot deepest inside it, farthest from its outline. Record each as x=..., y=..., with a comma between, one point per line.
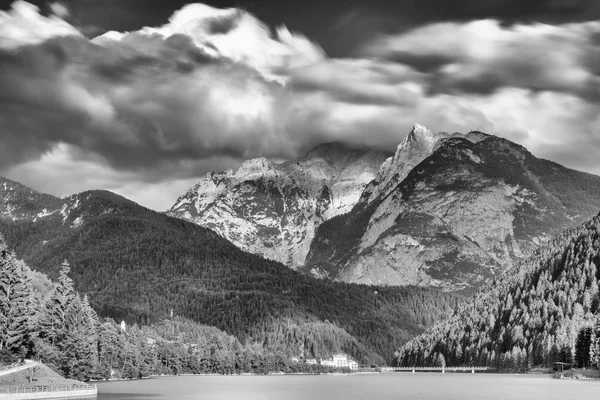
x=143, y=97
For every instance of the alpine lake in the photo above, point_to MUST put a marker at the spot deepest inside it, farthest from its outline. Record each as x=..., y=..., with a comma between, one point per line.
x=396, y=386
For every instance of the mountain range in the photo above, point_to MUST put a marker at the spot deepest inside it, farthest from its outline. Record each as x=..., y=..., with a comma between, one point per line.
x=342, y=249
x=450, y=211
x=274, y=210
x=141, y=266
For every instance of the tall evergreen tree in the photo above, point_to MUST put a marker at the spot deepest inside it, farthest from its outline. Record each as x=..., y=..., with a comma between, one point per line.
x=79, y=344
x=15, y=300
x=583, y=345
x=595, y=344
x=58, y=307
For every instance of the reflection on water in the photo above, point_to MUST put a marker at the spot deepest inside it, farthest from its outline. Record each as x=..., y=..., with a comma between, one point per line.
x=396, y=386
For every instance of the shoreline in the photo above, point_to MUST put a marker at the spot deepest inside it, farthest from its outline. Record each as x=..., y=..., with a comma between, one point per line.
x=240, y=374
x=575, y=374
x=578, y=374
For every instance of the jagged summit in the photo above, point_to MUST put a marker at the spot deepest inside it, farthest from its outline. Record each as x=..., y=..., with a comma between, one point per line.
x=420, y=134
x=256, y=168
x=274, y=209
x=461, y=215
x=419, y=144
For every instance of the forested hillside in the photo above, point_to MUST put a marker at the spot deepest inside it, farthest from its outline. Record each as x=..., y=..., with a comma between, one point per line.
x=532, y=316
x=138, y=265
x=53, y=323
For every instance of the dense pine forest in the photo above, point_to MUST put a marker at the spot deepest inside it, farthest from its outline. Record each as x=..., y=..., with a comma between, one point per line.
x=139, y=266
x=543, y=311
x=53, y=323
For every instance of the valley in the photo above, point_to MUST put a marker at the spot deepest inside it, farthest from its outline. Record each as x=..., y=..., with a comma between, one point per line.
x=138, y=265
x=390, y=249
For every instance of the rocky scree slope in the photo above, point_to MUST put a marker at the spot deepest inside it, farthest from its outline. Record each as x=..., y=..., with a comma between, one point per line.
x=273, y=210
x=458, y=218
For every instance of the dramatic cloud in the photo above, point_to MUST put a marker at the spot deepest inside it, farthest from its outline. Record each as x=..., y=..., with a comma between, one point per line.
x=237, y=35
x=24, y=25
x=536, y=84
x=146, y=113
x=482, y=56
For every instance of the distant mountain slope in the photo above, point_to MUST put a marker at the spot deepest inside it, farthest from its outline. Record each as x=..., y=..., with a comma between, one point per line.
x=17, y=201
x=273, y=210
x=466, y=212
x=138, y=265
x=530, y=316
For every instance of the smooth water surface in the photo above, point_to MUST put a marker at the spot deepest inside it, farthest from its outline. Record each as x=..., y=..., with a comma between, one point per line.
x=397, y=386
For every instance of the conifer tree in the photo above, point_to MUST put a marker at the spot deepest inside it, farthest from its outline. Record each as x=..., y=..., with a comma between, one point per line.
x=595, y=344
x=54, y=322
x=78, y=345
x=15, y=300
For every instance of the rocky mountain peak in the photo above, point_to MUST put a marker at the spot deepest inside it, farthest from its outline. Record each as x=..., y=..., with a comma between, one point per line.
x=419, y=134
x=273, y=209
x=419, y=144
x=257, y=167
x=465, y=213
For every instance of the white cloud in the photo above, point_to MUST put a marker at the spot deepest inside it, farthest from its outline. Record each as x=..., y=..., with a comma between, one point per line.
x=146, y=113
x=24, y=25
x=482, y=56
x=237, y=35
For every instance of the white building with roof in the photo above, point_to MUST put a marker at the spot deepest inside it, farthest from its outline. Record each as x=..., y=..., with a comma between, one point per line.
x=340, y=360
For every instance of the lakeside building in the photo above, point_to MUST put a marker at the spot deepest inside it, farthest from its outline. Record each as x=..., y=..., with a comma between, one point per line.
x=340, y=360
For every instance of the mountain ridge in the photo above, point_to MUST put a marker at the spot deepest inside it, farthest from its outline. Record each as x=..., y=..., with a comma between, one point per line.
x=486, y=202
x=272, y=209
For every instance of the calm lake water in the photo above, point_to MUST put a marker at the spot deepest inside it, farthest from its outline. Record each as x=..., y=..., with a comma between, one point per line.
x=396, y=386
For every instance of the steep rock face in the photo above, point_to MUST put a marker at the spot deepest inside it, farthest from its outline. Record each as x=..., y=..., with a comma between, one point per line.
x=273, y=210
x=419, y=144
x=463, y=214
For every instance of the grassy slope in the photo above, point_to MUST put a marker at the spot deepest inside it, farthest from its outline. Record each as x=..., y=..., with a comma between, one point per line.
x=42, y=376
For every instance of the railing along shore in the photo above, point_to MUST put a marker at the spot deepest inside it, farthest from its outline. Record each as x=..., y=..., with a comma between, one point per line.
x=44, y=388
